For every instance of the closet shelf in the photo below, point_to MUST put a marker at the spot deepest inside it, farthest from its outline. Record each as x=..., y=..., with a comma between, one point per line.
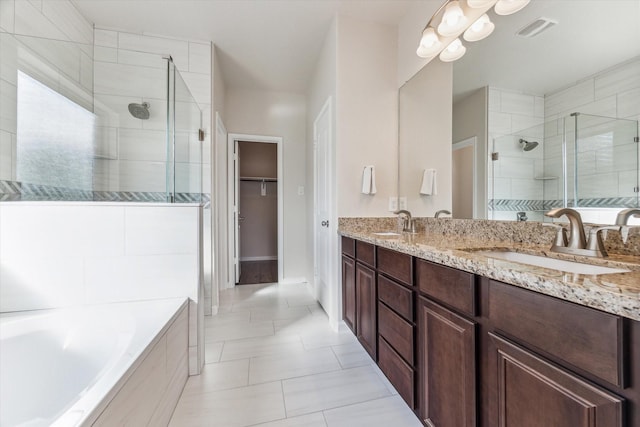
x=258, y=178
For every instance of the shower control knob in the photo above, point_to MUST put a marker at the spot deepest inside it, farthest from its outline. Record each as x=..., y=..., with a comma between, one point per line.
x=325, y=223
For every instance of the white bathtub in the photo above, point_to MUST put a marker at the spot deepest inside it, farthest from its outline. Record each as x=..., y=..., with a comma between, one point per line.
x=62, y=367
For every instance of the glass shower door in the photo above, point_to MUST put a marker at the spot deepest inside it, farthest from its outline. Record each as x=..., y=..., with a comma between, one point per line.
x=184, y=149
x=605, y=159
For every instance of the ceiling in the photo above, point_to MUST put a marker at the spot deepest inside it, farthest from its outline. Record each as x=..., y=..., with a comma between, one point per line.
x=262, y=44
x=591, y=36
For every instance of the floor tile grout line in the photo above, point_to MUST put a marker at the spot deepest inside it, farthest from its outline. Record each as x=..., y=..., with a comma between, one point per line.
x=284, y=400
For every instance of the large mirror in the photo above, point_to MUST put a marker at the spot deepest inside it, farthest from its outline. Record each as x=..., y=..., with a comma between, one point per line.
x=516, y=96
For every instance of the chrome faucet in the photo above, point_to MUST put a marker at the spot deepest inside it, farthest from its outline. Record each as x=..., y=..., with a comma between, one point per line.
x=625, y=214
x=408, y=223
x=442, y=212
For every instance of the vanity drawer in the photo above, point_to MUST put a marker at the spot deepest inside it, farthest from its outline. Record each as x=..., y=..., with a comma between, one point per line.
x=366, y=253
x=349, y=246
x=397, y=371
x=396, y=265
x=585, y=338
x=396, y=296
x=453, y=287
x=397, y=331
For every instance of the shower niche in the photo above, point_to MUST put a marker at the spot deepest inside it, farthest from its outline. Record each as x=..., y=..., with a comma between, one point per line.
x=582, y=161
x=79, y=125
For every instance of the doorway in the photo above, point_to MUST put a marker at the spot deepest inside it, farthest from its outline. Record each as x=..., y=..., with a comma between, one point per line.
x=255, y=209
x=463, y=179
x=258, y=212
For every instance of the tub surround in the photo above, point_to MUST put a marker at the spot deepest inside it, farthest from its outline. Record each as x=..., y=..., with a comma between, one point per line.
x=453, y=243
x=134, y=371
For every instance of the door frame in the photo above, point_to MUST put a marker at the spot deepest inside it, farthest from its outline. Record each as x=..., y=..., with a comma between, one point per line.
x=335, y=296
x=473, y=141
x=231, y=141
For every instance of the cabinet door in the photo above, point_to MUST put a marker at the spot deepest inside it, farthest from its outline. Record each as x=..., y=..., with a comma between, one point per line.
x=366, y=309
x=531, y=392
x=349, y=292
x=447, y=366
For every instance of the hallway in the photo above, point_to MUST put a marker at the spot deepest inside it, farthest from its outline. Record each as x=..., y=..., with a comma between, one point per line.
x=273, y=361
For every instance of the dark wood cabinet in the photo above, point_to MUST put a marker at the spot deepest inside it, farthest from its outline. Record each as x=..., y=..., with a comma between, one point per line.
x=366, y=313
x=446, y=366
x=464, y=350
x=349, y=292
x=532, y=392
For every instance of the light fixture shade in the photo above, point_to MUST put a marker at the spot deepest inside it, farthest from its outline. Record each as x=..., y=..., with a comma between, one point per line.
x=453, y=52
x=430, y=44
x=477, y=4
x=507, y=7
x=453, y=20
x=479, y=29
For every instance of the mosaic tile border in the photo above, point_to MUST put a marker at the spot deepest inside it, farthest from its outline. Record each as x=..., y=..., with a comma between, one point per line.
x=17, y=191
x=513, y=205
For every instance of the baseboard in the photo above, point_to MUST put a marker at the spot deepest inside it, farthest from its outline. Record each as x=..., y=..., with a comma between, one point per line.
x=259, y=258
x=293, y=281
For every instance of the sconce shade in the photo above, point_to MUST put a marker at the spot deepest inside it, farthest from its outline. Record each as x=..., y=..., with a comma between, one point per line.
x=477, y=4
x=507, y=7
x=453, y=20
x=430, y=44
x=479, y=29
x=453, y=52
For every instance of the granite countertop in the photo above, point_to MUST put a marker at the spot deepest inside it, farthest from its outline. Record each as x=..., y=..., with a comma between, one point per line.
x=617, y=293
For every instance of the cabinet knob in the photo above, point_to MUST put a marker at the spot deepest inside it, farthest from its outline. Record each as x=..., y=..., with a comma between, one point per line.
x=325, y=223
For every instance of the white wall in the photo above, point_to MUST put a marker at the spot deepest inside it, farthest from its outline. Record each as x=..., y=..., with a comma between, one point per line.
x=280, y=114
x=219, y=181
x=425, y=137
x=57, y=254
x=366, y=115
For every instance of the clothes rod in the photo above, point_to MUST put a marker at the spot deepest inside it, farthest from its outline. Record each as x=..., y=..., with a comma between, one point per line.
x=258, y=178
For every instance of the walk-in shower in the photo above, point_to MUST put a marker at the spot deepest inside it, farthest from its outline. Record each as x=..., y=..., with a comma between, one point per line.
x=80, y=127
x=579, y=160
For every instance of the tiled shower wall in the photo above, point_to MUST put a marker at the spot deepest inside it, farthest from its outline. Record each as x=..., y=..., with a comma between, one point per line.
x=512, y=183
x=607, y=155
x=129, y=68
x=54, y=45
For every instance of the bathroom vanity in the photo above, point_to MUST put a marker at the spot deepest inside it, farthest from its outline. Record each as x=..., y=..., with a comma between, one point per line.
x=469, y=340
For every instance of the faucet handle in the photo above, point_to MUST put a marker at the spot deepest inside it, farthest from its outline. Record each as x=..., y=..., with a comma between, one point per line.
x=561, y=235
x=596, y=243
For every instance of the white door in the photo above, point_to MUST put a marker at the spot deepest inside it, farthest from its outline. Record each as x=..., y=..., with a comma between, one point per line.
x=463, y=179
x=236, y=210
x=322, y=205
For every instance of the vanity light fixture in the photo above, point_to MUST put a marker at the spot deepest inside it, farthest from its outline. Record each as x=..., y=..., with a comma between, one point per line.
x=454, y=22
x=454, y=51
x=479, y=29
x=507, y=7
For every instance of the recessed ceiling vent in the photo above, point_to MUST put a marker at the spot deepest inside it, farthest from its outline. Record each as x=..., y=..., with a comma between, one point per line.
x=536, y=27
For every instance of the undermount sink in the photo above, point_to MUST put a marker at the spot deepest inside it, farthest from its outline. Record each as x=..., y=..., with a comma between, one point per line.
x=552, y=263
x=386, y=234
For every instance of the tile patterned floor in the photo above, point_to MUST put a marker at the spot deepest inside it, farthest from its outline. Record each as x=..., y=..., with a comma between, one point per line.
x=273, y=361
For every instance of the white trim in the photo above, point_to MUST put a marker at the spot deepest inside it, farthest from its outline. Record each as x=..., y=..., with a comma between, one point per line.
x=232, y=137
x=473, y=141
x=259, y=258
x=293, y=281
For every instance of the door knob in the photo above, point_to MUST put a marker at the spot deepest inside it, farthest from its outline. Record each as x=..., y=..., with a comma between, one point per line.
x=325, y=223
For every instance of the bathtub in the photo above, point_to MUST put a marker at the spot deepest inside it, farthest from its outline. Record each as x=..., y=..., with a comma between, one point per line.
x=63, y=367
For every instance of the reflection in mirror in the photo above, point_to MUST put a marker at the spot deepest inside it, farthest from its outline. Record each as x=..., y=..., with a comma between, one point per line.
x=511, y=87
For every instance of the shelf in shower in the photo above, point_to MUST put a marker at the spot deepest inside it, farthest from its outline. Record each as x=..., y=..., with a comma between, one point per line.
x=545, y=178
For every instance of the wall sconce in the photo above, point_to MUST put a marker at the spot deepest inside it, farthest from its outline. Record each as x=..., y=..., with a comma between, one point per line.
x=455, y=21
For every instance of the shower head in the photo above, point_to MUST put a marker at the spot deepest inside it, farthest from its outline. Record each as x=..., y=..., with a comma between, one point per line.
x=139, y=111
x=528, y=145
